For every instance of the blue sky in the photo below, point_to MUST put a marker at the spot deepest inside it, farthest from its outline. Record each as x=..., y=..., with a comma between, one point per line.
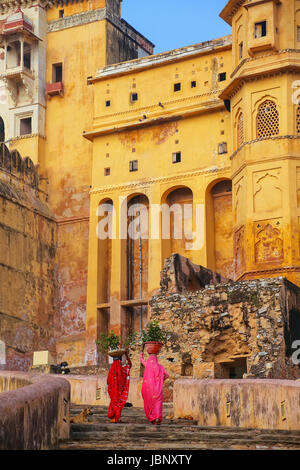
x=170, y=24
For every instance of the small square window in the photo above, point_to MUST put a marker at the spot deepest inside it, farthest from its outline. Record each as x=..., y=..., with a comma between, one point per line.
x=222, y=77
x=222, y=148
x=25, y=126
x=107, y=103
x=177, y=86
x=134, y=97
x=176, y=157
x=61, y=13
x=133, y=165
x=106, y=171
x=260, y=29
x=193, y=84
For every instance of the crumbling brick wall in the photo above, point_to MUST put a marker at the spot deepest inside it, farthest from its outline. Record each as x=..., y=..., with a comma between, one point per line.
x=250, y=324
x=28, y=271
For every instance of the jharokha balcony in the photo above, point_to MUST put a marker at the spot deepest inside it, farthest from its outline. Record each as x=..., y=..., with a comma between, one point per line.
x=53, y=89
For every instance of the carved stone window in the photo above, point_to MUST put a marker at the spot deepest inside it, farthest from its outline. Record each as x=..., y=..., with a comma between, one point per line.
x=267, y=120
x=298, y=120
x=240, y=130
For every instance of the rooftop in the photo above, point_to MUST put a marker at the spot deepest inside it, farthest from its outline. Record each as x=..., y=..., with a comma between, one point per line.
x=156, y=60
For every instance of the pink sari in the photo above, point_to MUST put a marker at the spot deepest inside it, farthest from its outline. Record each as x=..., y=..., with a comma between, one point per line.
x=152, y=388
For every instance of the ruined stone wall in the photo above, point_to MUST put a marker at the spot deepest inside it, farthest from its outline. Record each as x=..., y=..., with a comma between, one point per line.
x=224, y=326
x=28, y=272
x=35, y=416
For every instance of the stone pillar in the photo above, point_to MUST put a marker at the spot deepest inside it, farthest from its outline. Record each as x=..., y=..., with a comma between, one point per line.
x=91, y=356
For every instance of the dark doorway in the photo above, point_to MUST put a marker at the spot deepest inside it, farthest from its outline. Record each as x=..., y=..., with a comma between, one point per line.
x=2, y=130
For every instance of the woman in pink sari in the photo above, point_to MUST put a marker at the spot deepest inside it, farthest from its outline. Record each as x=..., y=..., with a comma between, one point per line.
x=152, y=388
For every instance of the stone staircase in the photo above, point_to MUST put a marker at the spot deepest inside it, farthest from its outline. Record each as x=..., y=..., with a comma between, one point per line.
x=135, y=433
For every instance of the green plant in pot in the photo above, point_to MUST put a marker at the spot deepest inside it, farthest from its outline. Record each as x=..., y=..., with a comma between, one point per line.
x=154, y=337
x=110, y=344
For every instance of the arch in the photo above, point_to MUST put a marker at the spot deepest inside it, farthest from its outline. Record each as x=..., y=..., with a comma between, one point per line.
x=297, y=29
x=267, y=119
x=239, y=43
x=219, y=227
x=2, y=130
x=137, y=260
x=104, y=234
x=104, y=262
x=240, y=130
x=176, y=221
x=173, y=188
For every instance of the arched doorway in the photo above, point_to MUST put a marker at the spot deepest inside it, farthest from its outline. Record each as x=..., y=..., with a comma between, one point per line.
x=137, y=248
x=104, y=233
x=219, y=236
x=177, y=222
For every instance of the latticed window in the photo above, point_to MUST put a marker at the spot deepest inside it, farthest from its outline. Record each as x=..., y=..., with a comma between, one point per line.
x=298, y=120
x=267, y=120
x=240, y=130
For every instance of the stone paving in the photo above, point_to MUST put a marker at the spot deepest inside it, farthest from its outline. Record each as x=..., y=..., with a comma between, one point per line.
x=135, y=433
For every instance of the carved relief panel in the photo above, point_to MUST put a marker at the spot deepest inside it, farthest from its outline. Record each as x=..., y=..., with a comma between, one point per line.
x=268, y=240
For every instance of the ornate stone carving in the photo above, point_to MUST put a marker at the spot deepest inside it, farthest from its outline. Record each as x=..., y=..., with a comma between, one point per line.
x=268, y=241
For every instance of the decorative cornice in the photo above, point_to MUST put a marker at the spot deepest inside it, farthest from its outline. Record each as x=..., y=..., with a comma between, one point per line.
x=133, y=119
x=27, y=136
x=267, y=272
x=100, y=14
x=7, y=6
x=261, y=139
x=230, y=10
x=235, y=85
x=157, y=60
x=146, y=183
x=77, y=20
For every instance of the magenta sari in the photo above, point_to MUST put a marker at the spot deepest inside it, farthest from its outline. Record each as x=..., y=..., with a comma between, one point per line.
x=152, y=388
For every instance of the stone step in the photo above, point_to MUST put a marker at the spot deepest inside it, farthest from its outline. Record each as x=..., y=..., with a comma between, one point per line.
x=173, y=427
x=135, y=433
x=165, y=445
x=127, y=435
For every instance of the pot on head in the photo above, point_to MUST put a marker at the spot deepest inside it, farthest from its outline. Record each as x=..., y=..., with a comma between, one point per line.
x=153, y=347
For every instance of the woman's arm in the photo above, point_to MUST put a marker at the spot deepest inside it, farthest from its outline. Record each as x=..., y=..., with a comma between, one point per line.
x=166, y=375
x=142, y=359
x=128, y=360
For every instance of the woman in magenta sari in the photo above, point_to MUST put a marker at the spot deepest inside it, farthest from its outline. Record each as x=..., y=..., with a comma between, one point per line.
x=152, y=388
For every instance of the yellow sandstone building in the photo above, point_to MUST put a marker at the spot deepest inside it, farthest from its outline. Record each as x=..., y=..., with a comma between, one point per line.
x=210, y=132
